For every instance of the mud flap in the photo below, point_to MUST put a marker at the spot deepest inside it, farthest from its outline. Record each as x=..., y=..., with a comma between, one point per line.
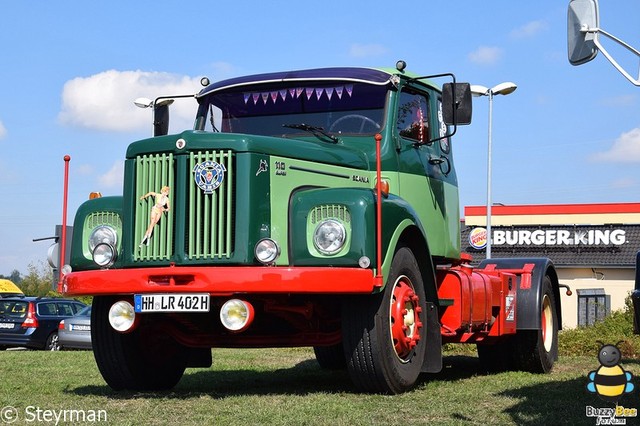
x=433, y=356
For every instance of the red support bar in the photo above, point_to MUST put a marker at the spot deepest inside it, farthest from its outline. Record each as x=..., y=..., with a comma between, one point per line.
x=63, y=238
x=378, y=279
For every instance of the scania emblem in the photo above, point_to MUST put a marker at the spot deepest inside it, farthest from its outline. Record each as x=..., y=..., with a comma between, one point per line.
x=208, y=175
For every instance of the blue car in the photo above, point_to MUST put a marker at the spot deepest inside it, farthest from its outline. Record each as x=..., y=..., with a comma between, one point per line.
x=32, y=322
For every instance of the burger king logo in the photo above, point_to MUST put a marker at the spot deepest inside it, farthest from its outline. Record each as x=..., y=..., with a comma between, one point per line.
x=478, y=238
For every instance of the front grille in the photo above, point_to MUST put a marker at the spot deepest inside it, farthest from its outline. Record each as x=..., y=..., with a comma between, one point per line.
x=152, y=173
x=206, y=218
x=210, y=215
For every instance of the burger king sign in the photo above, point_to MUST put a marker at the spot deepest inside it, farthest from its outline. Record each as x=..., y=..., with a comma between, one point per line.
x=478, y=238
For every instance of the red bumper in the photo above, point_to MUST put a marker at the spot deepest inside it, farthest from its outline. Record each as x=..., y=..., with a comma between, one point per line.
x=220, y=280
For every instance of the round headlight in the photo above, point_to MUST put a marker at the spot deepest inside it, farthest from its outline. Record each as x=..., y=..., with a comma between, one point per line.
x=102, y=234
x=104, y=255
x=329, y=236
x=267, y=251
x=122, y=316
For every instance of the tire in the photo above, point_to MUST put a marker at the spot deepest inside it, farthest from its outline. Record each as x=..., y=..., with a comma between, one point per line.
x=537, y=350
x=145, y=359
x=53, y=342
x=331, y=357
x=384, y=334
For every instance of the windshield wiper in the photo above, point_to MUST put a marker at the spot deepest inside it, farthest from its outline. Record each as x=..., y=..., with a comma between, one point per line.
x=319, y=132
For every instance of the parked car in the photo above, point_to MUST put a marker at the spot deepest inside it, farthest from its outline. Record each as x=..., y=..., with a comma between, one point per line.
x=32, y=322
x=75, y=332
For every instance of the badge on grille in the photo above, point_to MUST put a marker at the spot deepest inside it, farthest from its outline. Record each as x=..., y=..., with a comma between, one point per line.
x=209, y=175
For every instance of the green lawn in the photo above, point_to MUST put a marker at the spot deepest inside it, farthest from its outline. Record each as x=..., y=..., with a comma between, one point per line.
x=285, y=386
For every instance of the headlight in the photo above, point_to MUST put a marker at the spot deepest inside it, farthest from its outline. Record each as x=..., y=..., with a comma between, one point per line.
x=329, y=236
x=122, y=316
x=102, y=234
x=236, y=315
x=104, y=255
x=267, y=251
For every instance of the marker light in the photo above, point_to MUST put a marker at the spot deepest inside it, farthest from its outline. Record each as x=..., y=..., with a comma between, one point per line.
x=236, y=315
x=122, y=317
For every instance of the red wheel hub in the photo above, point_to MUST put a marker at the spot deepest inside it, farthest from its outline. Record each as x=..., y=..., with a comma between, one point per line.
x=405, y=314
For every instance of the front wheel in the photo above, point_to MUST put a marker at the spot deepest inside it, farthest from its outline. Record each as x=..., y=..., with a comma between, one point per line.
x=384, y=334
x=145, y=359
x=537, y=350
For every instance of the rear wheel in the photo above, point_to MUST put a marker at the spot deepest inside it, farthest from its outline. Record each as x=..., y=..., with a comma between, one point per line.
x=145, y=359
x=53, y=342
x=384, y=333
x=537, y=350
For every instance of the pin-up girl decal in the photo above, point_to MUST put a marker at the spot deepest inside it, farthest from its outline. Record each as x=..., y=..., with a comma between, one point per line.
x=161, y=205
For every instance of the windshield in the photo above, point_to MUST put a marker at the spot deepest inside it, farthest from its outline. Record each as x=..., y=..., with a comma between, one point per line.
x=279, y=109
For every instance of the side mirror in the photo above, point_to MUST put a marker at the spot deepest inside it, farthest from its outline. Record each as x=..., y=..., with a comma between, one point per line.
x=456, y=103
x=160, y=120
x=582, y=16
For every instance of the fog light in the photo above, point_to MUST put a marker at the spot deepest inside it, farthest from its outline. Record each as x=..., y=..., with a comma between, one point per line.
x=236, y=315
x=267, y=251
x=104, y=255
x=122, y=317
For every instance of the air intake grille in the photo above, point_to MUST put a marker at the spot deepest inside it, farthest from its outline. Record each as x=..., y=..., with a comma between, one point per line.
x=210, y=211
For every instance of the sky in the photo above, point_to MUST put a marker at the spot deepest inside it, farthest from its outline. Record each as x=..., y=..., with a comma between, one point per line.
x=69, y=72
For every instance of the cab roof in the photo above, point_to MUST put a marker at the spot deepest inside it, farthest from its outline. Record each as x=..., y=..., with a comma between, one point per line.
x=364, y=75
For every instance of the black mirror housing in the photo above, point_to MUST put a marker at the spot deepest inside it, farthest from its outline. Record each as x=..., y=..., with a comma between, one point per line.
x=456, y=104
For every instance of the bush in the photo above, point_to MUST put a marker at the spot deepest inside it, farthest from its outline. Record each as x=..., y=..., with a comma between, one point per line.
x=616, y=328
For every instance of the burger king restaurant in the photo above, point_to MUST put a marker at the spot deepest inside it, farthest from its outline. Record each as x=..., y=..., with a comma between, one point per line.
x=593, y=247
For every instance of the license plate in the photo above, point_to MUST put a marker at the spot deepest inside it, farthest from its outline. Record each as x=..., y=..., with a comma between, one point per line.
x=6, y=326
x=79, y=327
x=193, y=302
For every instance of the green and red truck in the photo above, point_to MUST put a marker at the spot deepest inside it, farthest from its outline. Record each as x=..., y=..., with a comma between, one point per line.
x=313, y=208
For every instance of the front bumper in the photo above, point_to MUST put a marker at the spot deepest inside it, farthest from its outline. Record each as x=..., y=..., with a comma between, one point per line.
x=221, y=281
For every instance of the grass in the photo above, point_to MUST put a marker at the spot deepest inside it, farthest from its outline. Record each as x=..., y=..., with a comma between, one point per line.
x=286, y=387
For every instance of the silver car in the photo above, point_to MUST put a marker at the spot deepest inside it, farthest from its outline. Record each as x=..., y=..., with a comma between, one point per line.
x=75, y=332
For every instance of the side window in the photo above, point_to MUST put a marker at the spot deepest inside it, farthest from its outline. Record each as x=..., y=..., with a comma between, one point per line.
x=413, y=116
x=64, y=309
x=443, y=129
x=47, y=309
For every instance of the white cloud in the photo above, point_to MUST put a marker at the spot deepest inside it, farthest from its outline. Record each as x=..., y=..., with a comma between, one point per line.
x=114, y=177
x=358, y=50
x=3, y=130
x=625, y=149
x=486, y=55
x=529, y=29
x=104, y=101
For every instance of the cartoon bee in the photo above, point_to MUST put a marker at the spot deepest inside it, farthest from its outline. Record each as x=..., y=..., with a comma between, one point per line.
x=610, y=381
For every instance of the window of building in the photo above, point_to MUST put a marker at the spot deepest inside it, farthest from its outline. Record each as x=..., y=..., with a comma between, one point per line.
x=593, y=305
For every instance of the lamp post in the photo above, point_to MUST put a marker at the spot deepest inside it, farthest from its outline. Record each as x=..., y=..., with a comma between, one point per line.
x=500, y=89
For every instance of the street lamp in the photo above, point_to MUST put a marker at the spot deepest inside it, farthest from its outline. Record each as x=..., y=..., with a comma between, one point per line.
x=477, y=90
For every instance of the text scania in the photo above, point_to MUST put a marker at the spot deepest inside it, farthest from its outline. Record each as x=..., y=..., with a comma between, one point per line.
x=556, y=237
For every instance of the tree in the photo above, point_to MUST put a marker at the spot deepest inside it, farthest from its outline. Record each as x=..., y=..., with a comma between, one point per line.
x=14, y=277
x=38, y=281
